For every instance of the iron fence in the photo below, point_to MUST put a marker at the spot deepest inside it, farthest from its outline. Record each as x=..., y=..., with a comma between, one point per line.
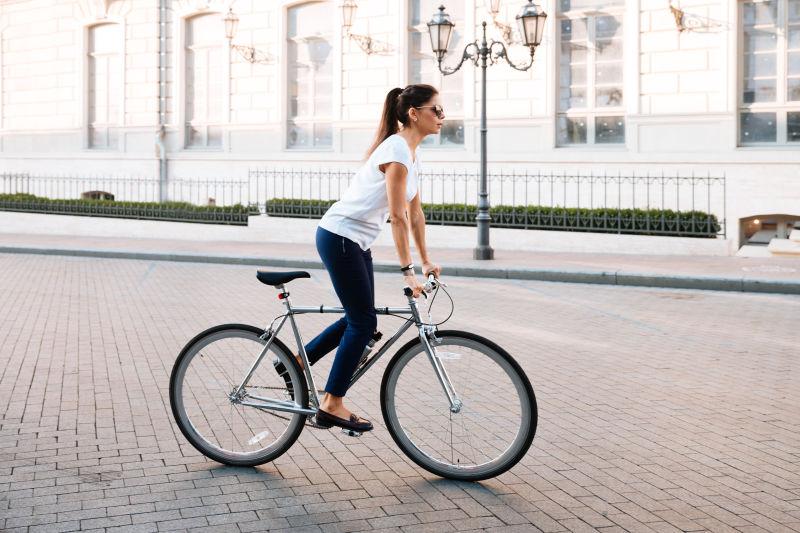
x=650, y=205
x=186, y=200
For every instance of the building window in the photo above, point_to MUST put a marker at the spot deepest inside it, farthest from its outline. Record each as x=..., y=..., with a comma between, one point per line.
x=423, y=68
x=310, y=75
x=770, y=97
x=204, y=81
x=590, y=95
x=104, y=85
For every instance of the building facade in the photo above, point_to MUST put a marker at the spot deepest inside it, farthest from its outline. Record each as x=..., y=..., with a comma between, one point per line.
x=644, y=87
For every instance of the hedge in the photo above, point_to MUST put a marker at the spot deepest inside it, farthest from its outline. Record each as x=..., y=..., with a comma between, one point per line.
x=172, y=211
x=597, y=220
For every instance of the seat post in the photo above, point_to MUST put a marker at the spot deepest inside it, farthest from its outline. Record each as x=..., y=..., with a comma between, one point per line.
x=284, y=297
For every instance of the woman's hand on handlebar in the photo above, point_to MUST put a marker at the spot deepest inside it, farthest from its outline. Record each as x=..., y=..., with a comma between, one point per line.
x=431, y=268
x=413, y=283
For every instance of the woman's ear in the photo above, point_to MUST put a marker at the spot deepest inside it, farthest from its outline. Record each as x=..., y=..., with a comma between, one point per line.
x=412, y=114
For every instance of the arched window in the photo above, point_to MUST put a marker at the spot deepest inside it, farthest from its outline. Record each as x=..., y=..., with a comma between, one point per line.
x=590, y=94
x=204, y=81
x=423, y=69
x=310, y=75
x=104, y=85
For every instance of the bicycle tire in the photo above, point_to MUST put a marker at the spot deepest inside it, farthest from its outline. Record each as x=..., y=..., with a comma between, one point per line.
x=184, y=422
x=400, y=432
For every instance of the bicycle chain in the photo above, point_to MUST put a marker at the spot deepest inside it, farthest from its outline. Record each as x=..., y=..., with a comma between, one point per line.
x=309, y=419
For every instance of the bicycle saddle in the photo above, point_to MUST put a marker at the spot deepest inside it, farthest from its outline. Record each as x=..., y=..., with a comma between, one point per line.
x=279, y=278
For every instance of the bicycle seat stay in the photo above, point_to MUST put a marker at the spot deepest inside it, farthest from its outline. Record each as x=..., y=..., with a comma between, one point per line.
x=279, y=278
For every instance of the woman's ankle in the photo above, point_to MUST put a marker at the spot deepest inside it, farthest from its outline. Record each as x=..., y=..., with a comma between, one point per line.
x=330, y=402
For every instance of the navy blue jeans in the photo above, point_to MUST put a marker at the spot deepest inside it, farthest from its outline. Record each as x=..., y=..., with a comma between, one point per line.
x=350, y=269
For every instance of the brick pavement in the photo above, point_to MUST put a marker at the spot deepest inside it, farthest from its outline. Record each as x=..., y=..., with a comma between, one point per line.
x=660, y=410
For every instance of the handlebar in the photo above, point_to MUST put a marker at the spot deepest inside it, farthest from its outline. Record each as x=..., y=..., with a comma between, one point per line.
x=427, y=287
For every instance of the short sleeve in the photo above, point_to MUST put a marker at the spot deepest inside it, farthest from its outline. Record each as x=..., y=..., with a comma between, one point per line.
x=391, y=151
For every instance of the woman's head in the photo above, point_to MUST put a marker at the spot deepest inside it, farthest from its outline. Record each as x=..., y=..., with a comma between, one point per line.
x=416, y=106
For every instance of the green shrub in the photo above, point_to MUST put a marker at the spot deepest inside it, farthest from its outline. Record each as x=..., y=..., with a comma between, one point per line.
x=175, y=211
x=598, y=220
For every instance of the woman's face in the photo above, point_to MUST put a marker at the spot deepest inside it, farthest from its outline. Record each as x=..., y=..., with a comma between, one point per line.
x=429, y=116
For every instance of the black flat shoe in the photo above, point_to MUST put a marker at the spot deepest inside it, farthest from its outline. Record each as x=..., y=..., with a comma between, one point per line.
x=355, y=423
x=282, y=372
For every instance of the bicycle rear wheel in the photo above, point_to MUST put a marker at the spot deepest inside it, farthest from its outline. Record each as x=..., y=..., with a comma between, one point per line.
x=213, y=419
x=492, y=430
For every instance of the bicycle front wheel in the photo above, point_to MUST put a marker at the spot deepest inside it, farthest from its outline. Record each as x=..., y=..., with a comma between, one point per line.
x=211, y=409
x=495, y=424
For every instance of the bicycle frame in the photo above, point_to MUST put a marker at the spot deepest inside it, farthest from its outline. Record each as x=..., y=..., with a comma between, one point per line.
x=242, y=397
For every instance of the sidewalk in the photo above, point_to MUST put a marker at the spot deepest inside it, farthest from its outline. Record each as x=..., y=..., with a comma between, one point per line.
x=769, y=275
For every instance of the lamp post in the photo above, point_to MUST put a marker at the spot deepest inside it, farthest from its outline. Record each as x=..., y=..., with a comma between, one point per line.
x=531, y=21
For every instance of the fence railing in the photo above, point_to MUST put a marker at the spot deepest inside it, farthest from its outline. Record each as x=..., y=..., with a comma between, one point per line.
x=651, y=205
x=196, y=191
x=185, y=200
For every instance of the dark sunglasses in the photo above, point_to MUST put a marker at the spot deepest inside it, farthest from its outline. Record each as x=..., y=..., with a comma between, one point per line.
x=436, y=109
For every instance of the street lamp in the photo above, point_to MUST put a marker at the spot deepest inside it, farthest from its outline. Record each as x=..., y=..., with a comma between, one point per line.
x=248, y=53
x=231, y=24
x=506, y=30
x=531, y=20
x=365, y=42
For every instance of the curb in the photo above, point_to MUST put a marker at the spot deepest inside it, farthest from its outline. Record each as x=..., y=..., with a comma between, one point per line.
x=729, y=284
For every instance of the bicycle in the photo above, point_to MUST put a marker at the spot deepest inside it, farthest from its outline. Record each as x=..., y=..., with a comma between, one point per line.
x=455, y=403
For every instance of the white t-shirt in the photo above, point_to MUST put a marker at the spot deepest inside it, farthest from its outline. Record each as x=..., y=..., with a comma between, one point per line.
x=364, y=207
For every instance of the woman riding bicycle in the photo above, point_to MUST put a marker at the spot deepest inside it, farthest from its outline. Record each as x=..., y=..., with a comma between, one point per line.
x=386, y=185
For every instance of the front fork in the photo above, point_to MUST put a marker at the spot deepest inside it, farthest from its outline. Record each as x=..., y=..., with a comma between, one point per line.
x=427, y=336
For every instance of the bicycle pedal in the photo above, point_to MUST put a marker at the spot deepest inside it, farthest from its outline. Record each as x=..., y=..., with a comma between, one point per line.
x=351, y=433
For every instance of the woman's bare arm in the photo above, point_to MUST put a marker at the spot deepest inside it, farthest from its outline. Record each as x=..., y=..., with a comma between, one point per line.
x=396, y=175
x=417, y=219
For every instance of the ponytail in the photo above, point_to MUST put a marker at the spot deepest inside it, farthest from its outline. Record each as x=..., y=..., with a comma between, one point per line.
x=389, y=120
x=395, y=110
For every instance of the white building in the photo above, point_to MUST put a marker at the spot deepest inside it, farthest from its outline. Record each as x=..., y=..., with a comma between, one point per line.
x=618, y=86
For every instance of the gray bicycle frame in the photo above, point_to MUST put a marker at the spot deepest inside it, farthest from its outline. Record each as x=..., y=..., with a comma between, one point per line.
x=241, y=396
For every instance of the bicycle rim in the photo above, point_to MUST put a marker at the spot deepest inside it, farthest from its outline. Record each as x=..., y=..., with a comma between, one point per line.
x=207, y=372
x=495, y=425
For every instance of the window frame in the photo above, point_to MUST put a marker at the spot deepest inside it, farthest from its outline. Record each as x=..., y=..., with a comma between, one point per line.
x=435, y=141
x=3, y=27
x=592, y=112
x=176, y=109
x=781, y=106
x=204, y=125
x=86, y=129
x=311, y=121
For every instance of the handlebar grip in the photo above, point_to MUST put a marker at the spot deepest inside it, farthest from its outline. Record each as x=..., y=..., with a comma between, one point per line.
x=407, y=291
x=431, y=283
